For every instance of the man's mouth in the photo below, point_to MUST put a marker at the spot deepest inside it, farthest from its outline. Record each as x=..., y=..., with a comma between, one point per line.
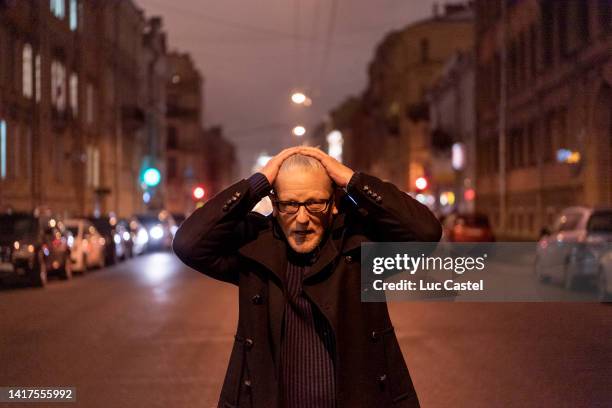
x=303, y=233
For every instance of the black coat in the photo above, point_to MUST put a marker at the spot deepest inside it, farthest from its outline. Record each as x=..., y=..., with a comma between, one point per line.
x=226, y=241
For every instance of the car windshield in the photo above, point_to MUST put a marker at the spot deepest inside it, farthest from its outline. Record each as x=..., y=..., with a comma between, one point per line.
x=600, y=222
x=148, y=220
x=475, y=220
x=73, y=230
x=17, y=226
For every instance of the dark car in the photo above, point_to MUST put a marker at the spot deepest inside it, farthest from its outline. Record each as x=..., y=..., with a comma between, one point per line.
x=114, y=247
x=33, y=247
x=468, y=228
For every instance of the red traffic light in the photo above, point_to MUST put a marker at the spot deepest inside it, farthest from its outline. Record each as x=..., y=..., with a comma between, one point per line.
x=198, y=192
x=421, y=183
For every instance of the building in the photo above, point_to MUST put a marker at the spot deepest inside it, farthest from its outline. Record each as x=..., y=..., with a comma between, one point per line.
x=544, y=75
x=80, y=113
x=452, y=136
x=389, y=131
x=185, y=154
x=220, y=165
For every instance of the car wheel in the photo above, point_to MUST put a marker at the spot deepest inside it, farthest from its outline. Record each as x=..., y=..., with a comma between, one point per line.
x=38, y=274
x=84, y=263
x=66, y=272
x=537, y=269
x=569, y=281
x=602, y=287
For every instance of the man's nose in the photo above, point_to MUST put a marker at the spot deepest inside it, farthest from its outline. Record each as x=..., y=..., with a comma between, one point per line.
x=302, y=215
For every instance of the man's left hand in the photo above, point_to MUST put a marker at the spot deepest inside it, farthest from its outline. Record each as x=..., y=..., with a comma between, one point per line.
x=338, y=172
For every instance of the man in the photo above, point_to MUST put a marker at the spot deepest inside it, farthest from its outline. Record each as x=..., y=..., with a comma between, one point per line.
x=304, y=337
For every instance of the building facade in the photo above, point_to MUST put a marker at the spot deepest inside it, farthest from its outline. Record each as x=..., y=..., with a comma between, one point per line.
x=75, y=105
x=389, y=132
x=544, y=77
x=185, y=159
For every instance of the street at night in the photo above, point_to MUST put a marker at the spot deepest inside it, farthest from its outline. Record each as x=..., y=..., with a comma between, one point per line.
x=152, y=332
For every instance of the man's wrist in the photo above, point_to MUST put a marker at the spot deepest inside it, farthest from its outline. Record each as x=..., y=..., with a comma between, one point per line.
x=260, y=186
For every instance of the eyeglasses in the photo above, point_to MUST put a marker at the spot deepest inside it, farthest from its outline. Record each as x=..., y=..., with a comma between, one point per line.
x=312, y=206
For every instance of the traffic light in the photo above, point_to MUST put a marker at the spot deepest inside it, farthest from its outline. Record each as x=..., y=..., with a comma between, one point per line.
x=421, y=183
x=151, y=177
x=198, y=192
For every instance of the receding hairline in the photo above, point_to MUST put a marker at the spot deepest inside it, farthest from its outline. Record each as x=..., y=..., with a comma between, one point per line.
x=301, y=162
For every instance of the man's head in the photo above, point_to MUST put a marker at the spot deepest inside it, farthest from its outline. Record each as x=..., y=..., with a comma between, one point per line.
x=303, y=179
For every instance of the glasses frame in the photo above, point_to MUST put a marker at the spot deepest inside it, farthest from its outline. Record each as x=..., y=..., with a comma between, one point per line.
x=304, y=204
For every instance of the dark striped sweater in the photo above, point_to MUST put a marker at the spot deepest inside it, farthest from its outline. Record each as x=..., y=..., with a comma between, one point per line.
x=307, y=349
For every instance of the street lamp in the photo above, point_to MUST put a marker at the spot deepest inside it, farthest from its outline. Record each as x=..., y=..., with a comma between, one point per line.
x=299, y=131
x=298, y=98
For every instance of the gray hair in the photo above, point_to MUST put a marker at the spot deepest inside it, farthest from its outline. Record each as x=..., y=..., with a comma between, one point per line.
x=301, y=162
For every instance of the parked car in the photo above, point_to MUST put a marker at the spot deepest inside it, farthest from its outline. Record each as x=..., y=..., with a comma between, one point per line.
x=570, y=251
x=34, y=247
x=604, y=277
x=114, y=248
x=139, y=236
x=160, y=227
x=461, y=227
x=87, y=249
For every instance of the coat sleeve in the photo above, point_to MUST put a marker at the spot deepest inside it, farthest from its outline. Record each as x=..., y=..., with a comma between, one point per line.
x=390, y=214
x=209, y=239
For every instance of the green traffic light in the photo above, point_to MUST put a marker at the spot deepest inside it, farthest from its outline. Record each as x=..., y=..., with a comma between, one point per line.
x=152, y=177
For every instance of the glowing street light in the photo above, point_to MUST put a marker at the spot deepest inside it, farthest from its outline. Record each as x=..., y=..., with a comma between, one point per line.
x=299, y=131
x=298, y=98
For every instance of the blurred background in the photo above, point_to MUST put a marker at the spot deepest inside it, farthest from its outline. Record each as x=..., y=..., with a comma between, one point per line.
x=118, y=118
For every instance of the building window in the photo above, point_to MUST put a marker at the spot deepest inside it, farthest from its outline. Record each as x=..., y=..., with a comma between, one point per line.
x=37, y=78
x=26, y=77
x=89, y=114
x=172, y=173
x=2, y=149
x=424, y=50
x=74, y=94
x=57, y=8
x=172, y=142
x=58, y=85
x=74, y=15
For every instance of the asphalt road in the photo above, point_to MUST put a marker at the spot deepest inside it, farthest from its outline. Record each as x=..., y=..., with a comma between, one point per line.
x=153, y=333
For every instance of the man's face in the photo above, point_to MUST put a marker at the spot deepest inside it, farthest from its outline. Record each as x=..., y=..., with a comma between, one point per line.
x=304, y=230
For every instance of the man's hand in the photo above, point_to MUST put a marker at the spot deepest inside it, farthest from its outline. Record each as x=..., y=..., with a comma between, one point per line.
x=270, y=170
x=338, y=172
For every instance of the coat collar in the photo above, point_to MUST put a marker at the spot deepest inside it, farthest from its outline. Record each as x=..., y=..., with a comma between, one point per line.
x=270, y=248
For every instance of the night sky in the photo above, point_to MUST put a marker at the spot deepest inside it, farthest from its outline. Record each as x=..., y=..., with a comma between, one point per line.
x=252, y=54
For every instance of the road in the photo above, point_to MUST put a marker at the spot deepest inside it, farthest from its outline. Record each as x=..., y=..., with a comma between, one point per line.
x=150, y=332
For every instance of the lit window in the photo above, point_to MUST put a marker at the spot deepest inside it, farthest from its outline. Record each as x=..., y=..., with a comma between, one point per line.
x=58, y=85
x=2, y=149
x=37, y=78
x=74, y=93
x=74, y=15
x=27, y=70
x=57, y=8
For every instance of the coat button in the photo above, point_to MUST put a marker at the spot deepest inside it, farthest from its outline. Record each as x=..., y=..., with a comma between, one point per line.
x=228, y=202
x=381, y=379
x=257, y=299
x=379, y=199
x=374, y=336
x=249, y=343
x=348, y=259
x=225, y=207
x=247, y=383
x=237, y=194
x=366, y=188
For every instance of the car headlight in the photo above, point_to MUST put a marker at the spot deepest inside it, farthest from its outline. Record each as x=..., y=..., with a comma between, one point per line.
x=117, y=239
x=156, y=232
x=142, y=237
x=126, y=236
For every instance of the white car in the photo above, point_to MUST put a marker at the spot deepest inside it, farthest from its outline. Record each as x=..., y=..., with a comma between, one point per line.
x=87, y=245
x=570, y=252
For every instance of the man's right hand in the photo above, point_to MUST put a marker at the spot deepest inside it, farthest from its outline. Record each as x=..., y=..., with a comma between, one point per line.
x=270, y=170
